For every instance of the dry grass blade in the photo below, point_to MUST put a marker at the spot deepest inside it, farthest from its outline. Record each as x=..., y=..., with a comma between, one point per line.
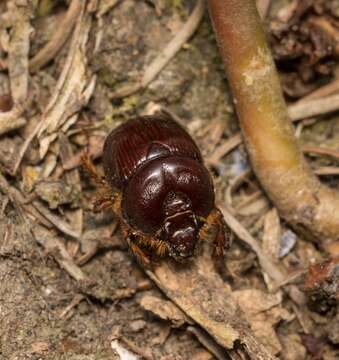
x=298, y=111
x=72, y=91
x=51, y=49
x=153, y=69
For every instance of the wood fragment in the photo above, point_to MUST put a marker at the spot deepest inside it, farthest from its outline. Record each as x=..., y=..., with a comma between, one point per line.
x=199, y=292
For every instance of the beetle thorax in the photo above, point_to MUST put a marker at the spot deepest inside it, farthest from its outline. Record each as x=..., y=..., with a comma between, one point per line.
x=176, y=202
x=180, y=228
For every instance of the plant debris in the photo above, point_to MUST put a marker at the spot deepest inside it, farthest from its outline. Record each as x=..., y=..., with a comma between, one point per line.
x=304, y=39
x=70, y=289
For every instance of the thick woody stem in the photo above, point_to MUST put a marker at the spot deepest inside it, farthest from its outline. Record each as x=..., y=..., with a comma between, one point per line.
x=269, y=135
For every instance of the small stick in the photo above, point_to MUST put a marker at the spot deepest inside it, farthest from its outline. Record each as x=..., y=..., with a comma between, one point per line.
x=155, y=67
x=326, y=90
x=321, y=151
x=314, y=107
x=326, y=171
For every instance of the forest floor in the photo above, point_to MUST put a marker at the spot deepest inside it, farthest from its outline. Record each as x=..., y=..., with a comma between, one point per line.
x=69, y=288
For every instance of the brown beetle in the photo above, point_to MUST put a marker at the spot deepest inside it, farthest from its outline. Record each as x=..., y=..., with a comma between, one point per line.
x=162, y=193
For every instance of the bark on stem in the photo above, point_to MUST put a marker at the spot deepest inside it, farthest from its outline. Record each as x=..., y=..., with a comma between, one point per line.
x=268, y=133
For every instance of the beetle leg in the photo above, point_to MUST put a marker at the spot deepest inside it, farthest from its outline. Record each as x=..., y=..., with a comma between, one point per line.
x=223, y=237
x=159, y=246
x=102, y=203
x=131, y=238
x=141, y=257
x=107, y=197
x=91, y=170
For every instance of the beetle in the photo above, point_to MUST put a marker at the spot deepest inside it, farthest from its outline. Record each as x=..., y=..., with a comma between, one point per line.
x=160, y=189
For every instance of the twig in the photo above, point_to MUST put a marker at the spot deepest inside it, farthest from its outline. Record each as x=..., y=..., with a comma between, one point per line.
x=321, y=151
x=227, y=146
x=267, y=265
x=55, y=220
x=16, y=197
x=59, y=37
x=112, y=243
x=314, y=107
x=326, y=90
x=155, y=67
x=76, y=301
x=235, y=183
x=326, y=171
x=54, y=243
x=18, y=53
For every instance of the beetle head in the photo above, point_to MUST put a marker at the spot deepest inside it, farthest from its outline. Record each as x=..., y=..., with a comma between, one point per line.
x=181, y=227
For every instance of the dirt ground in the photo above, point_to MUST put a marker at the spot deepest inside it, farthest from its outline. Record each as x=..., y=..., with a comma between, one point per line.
x=57, y=301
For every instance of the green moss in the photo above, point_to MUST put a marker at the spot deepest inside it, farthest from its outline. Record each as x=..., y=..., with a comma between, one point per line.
x=45, y=7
